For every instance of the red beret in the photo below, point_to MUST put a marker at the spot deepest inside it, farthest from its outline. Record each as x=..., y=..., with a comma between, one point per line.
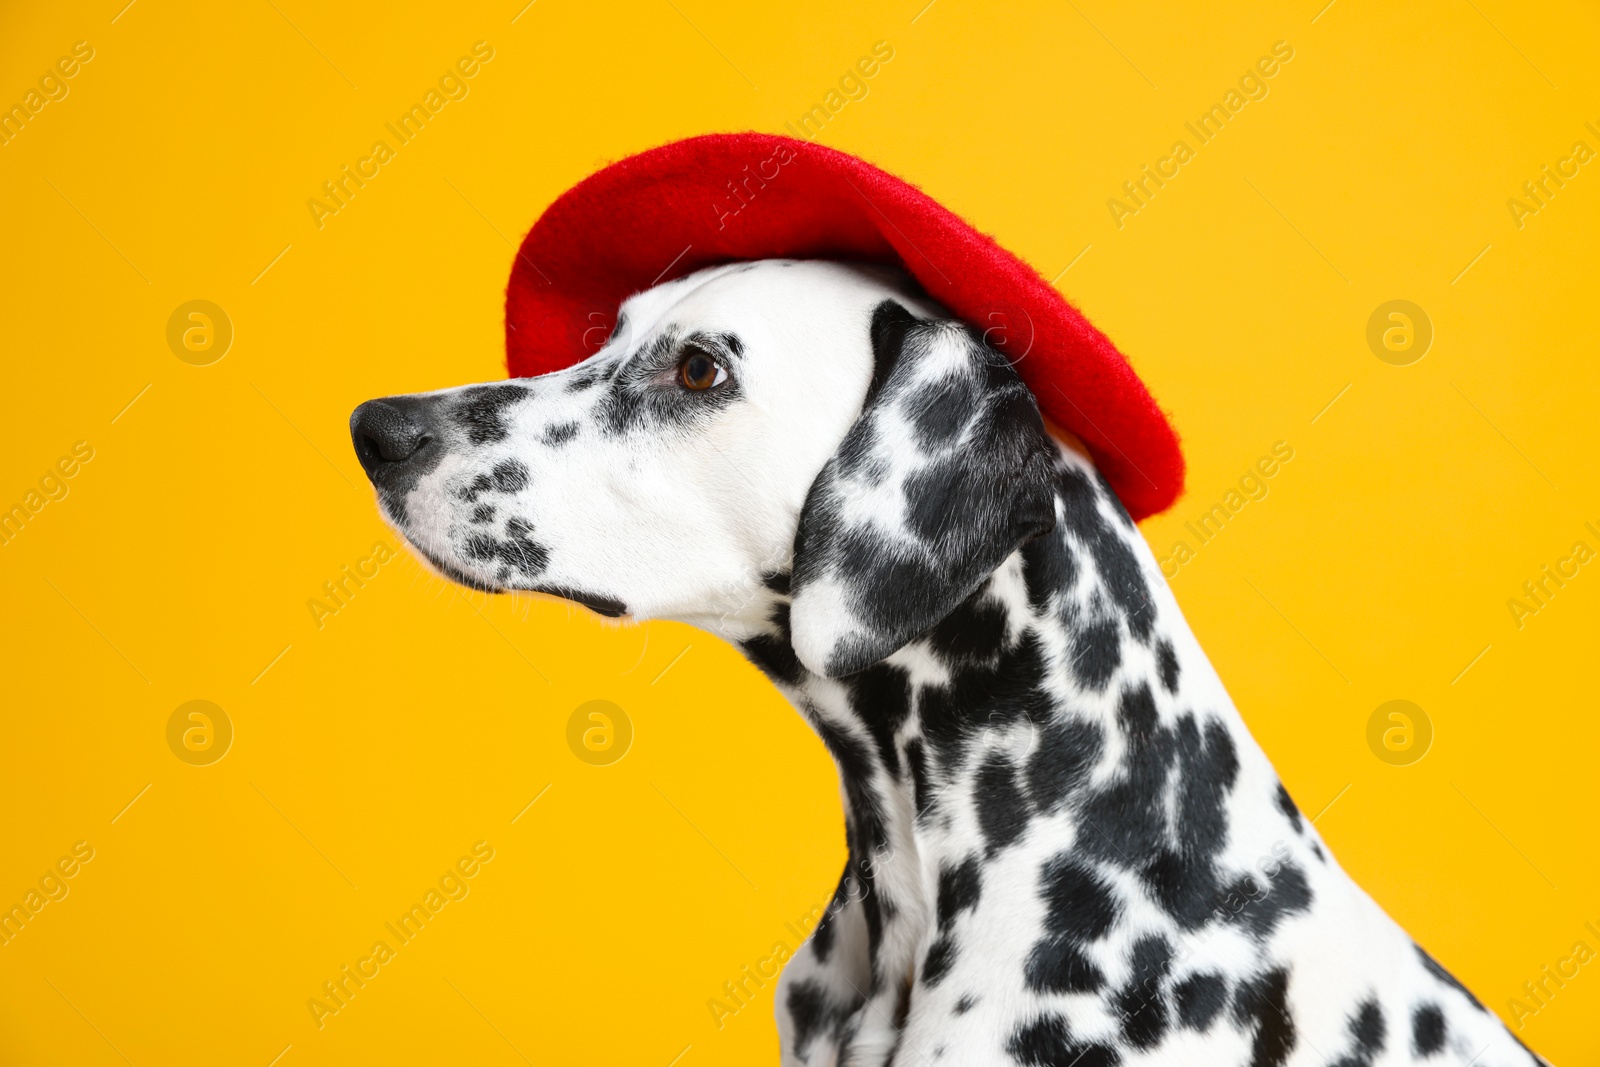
x=670, y=211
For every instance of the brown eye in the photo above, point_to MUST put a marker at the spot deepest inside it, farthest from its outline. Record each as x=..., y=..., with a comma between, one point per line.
x=699, y=371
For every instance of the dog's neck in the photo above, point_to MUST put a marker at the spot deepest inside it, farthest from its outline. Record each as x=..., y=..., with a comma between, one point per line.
x=1063, y=707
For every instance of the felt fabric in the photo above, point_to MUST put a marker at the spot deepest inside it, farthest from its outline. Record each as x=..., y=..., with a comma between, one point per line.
x=706, y=200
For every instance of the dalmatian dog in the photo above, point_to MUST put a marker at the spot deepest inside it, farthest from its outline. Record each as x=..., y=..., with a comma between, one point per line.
x=1064, y=846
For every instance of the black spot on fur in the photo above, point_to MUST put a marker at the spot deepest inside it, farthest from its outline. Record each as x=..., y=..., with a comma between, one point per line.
x=1113, y=501
x=973, y=633
x=1048, y=566
x=479, y=485
x=1056, y=964
x=1200, y=999
x=1427, y=1030
x=559, y=433
x=939, y=411
x=858, y=457
x=773, y=652
x=1263, y=1004
x=1010, y=690
x=856, y=765
x=1287, y=806
x=1096, y=652
x=517, y=549
x=1125, y=823
x=1183, y=884
x=1287, y=893
x=1367, y=1032
x=510, y=476
x=1167, y=662
x=1002, y=809
x=959, y=889
x=965, y=1004
x=1047, y=1042
x=1058, y=768
x=1080, y=908
x=1446, y=977
x=822, y=936
x=941, y=954
x=1368, y=1028
x=1077, y=900
x=1144, y=1015
x=1118, y=566
x=481, y=409
x=1208, y=765
x=881, y=697
x=813, y=1014
x=1184, y=879
x=483, y=513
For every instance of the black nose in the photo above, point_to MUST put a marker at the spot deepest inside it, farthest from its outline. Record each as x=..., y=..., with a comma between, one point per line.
x=391, y=434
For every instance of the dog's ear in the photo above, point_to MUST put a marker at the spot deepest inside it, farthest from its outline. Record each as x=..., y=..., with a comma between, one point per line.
x=947, y=471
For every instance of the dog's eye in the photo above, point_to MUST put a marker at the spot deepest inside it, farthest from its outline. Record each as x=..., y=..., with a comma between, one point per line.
x=699, y=370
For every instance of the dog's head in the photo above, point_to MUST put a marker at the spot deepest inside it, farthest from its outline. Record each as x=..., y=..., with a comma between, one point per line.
x=743, y=422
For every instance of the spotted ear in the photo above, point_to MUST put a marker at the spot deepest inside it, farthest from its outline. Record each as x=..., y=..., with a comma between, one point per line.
x=947, y=471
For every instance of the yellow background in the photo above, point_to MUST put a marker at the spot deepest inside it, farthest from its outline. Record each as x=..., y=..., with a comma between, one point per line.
x=420, y=719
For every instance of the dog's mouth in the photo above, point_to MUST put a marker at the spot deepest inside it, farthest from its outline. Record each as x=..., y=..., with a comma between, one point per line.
x=600, y=605
x=609, y=607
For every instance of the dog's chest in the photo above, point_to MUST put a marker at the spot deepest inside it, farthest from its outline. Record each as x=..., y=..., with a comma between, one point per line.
x=1066, y=849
